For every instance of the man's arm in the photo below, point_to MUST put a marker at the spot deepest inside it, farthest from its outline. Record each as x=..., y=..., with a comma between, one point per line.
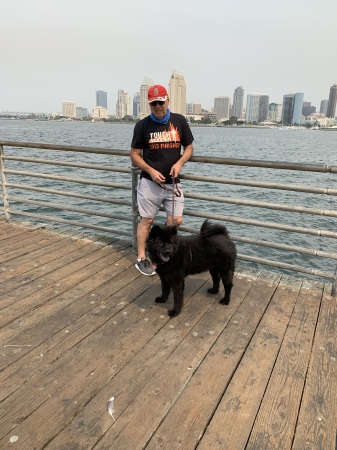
x=137, y=160
x=176, y=168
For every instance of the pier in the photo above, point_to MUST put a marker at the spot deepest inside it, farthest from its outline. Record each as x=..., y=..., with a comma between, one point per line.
x=79, y=325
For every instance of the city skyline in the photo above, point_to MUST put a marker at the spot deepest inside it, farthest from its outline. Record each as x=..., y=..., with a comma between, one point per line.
x=51, y=52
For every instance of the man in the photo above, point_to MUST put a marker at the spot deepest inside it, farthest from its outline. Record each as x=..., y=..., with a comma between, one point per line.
x=156, y=150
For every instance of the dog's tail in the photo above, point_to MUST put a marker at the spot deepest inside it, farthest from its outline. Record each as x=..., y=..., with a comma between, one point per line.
x=209, y=229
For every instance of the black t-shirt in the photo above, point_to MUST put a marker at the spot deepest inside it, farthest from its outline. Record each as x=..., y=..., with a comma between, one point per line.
x=161, y=144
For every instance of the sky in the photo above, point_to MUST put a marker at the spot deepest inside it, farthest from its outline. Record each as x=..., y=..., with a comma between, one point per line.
x=51, y=51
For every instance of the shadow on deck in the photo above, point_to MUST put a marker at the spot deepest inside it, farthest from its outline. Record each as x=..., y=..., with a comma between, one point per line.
x=78, y=325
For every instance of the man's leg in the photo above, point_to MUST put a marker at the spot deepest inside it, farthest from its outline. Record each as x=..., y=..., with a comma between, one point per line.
x=143, y=231
x=143, y=264
x=177, y=220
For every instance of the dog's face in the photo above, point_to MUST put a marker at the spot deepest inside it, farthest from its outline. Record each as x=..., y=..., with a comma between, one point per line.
x=162, y=243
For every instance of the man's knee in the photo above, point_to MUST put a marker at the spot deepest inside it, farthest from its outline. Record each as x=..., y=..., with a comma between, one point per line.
x=176, y=221
x=146, y=222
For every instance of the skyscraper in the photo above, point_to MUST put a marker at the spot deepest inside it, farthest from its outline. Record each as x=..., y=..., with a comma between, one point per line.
x=292, y=108
x=323, y=109
x=274, y=112
x=122, y=104
x=331, y=112
x=177, y=93
x=257, y=107
x=221, y=107
x=238, y=102
x=69, y=109
x=136, y=105
x=102, y=99
x=144, y=105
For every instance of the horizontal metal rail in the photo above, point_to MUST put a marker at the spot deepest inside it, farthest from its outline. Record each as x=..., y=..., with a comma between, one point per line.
x=257, y=223
x=90, y=212
x=203, y=159
x=266, y=205
x=274, y=245
x=70, y=194
x=285, y=266
x=260, y=184
x=67, y=148
x=55, y=162
x=70, y=179
x=266, y=164
x=72, y=222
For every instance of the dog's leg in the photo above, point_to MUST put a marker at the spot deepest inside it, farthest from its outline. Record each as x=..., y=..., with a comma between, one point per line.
x=165, y=291
x=227, y=279
x=216, y=281
x=178, y=296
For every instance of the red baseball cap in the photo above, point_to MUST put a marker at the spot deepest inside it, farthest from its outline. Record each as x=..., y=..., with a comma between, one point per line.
x=157, y=92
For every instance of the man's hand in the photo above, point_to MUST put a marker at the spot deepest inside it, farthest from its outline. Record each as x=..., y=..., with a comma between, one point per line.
x=176, y=169
x=156, y=176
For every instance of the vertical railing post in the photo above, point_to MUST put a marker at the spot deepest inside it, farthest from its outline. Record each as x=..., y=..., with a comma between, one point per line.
x=134, y=213
x=334, y=285
x=4, y=184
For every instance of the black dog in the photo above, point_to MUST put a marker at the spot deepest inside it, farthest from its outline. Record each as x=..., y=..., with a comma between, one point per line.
x=178, y=256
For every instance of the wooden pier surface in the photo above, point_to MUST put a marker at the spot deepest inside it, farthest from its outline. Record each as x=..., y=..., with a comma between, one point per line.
x=78, y=325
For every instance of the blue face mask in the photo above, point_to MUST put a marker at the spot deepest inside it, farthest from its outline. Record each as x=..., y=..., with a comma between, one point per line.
x=164, y=120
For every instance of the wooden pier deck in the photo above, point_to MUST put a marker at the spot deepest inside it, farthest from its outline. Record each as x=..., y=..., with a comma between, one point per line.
x=78, y=325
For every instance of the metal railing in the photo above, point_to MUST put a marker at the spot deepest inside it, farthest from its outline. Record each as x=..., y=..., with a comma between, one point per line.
x=79, y=176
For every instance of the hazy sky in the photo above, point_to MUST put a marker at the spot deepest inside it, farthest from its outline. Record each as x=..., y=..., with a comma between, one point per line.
x=52, y=51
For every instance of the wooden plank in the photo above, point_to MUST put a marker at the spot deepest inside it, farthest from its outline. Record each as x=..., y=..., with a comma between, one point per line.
x=128, y=383
x=316, y=427
x=104, y=352
x=70, y=320
x=276, y=421
x=189, y=417
x=242, y=398
x=62, y=280
x=18, y=241
x=28, y=249
x=23, y=264
x=156, y=399
x=16, y=290
x=9, y=232
x=46, y=264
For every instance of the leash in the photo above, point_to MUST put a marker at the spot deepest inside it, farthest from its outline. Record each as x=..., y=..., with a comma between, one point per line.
x=175, y=192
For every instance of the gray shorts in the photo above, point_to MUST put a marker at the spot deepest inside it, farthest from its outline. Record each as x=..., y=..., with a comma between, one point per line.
x=151, y=196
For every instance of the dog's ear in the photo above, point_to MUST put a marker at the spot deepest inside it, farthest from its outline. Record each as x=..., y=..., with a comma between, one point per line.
x=154, y=230
x=173, y=230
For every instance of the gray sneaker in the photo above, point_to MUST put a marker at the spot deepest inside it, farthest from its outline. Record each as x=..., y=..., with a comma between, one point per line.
x=145, y=267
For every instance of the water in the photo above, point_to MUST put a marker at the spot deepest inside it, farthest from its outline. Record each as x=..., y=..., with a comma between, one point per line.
x=300, y=146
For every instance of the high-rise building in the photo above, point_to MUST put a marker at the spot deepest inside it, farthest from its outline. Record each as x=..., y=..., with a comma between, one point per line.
x=102, y=99
x=189, y=108
x=99, y=113
x=81, y=112
x=69, y=109
x=292, y=108
x=136, y=105
x=196, y=109
x=122, y=104
x=323, y=109
x=144, y=109
x=257, y=108
x=177, y=93
x=274, y=112
x=308, y=109
x=331, y=111
x=238, y=102
x=221, y=107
